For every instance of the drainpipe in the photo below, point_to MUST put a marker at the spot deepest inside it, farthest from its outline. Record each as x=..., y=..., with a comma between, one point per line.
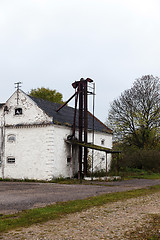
x=1, y=147
x=3, y=143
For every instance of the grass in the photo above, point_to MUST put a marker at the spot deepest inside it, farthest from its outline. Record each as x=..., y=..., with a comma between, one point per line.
x=147, y=176
x=129, y=173
x=40, y=215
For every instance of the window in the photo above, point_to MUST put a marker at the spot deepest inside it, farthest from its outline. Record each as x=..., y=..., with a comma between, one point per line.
x=11, y=160
x=102, y=141
x=68, y=160
x=18, y=111
x=11, y=138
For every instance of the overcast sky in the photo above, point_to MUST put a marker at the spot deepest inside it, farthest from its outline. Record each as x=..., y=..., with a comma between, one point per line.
x=53, y=43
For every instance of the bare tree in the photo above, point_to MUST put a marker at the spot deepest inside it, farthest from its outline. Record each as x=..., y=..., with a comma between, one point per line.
x=135, y=115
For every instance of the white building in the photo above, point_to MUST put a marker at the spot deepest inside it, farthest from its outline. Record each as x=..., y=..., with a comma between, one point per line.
x=33, y=139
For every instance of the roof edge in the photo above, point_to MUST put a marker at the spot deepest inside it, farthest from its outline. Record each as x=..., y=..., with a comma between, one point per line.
x=1, y=105
x=107, y=128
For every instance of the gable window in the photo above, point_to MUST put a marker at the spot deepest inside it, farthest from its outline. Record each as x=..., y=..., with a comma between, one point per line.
x=18, y=111
x=11, y=160
x=11, y=138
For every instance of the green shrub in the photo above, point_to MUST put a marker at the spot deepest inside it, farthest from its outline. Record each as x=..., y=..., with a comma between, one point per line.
x=144, y=159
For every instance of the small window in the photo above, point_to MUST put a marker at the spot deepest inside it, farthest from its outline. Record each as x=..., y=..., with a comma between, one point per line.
x=10, y=160
x=18, y=111
x=68, y=160
x=102, y=142
x=11, y=138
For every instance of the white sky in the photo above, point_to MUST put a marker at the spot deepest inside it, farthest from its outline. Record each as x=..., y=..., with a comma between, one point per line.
x=53, y=43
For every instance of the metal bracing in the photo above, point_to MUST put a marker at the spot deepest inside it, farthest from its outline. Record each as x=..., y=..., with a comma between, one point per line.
x=83, y=88
x=81, y=94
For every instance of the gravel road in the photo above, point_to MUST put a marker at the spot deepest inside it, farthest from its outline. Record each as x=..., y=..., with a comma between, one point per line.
x=116, y=221
x=17, y=196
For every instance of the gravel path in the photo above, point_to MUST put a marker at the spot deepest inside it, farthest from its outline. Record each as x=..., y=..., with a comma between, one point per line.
x=17, y=196
x=110, y=221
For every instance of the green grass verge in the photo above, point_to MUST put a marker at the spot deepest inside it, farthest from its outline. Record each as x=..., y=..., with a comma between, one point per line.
x=129, y=173
x=141, y=176
x=148, y=176
x=39, y=215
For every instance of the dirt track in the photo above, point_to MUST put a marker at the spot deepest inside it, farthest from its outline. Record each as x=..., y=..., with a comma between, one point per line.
x=17, y=196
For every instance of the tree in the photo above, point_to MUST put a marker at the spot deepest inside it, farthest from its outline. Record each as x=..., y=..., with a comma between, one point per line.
x=47, y=94
x=135, y=115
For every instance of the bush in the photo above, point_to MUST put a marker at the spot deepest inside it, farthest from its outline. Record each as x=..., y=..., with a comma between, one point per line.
x=145, y=159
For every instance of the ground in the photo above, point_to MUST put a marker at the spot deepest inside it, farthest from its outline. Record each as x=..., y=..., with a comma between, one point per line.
x=17, y=196
x=119, y=220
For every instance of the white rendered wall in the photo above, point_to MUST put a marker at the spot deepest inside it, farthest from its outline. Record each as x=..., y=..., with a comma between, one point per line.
x=99, y=160
x=1, y=124
x=33, y=152
x=32, y=149
x=99, y=157
x=0, y=154
x=63, y=150
x=40, y=153
x=31, y=113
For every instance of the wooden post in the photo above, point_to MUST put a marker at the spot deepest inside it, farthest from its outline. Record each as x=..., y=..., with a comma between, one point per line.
x=106, y=164
x=85, y=126
x=80, y=127
x=117, y=164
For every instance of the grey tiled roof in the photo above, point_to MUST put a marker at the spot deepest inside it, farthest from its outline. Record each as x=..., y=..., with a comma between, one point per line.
x=1, y=105
x=66, y=114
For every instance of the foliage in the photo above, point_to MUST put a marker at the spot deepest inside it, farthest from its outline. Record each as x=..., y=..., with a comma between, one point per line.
x=135, y=115
x=129, y=173
x=99, y=173
x=142, y=159
x=47, y=94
